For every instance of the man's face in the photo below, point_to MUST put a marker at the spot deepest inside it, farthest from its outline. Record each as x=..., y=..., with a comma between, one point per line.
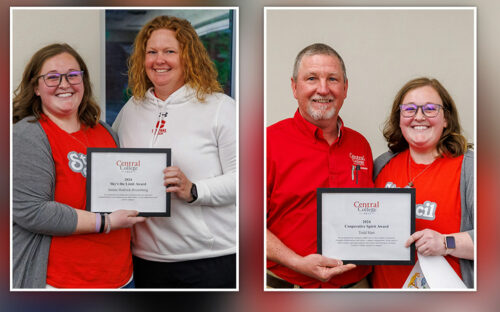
x=320, y=88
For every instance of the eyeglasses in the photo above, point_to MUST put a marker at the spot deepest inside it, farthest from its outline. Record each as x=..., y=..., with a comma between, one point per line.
x=54, y=79
x=429, y=109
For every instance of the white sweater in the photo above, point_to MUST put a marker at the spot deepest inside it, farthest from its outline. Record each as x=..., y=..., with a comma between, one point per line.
x=202, y=137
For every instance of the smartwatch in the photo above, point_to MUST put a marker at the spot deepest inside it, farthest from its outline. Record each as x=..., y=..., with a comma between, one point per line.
x=194, y=193
x=449, y=243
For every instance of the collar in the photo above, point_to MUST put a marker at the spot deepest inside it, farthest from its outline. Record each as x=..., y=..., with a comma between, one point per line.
x=312, y=131
x=180, y=96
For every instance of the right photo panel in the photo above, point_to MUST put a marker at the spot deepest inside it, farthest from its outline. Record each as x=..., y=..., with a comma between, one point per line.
x=370, y=144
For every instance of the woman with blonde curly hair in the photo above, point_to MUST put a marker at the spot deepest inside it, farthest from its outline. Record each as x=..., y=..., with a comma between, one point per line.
x=429, y=153
x=177, y=104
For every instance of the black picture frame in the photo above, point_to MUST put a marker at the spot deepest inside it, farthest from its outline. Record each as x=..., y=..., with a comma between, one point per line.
x=411, y=230
x=92, y=151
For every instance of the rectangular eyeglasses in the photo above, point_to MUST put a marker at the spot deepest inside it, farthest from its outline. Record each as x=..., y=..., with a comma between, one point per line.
x=54, y=79
x=429, y=109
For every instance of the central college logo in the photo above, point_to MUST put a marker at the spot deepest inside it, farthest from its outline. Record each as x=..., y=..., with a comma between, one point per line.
x=358, y=160
x=128, y=166
x=78, y=163
x=366, y=207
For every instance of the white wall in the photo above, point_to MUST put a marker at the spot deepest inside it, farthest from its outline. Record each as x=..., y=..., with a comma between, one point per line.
x=80, y=28
x=382, y=50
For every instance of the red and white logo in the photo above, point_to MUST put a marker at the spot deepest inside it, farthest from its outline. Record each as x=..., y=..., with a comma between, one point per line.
x=358, y=160
x=160, y=127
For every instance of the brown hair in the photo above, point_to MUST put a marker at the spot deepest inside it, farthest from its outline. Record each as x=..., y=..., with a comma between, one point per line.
x=199, y=70
x=451, y=143
x=27, y=103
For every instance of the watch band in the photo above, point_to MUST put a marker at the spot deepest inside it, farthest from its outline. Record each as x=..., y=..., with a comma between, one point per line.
x=194, y=193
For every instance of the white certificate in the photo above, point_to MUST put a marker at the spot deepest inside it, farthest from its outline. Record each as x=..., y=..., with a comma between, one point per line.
x=366, y=226
x=127, y=178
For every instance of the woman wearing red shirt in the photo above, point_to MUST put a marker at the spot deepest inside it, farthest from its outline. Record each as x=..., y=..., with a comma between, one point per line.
x=429, y=153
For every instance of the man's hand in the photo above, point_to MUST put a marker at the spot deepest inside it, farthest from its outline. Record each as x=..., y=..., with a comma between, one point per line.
x=313, y=265
x=321, y=267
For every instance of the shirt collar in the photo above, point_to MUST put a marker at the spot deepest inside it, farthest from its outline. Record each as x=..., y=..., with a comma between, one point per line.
x=313, y=131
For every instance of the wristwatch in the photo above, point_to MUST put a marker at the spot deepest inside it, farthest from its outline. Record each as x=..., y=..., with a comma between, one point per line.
x=194, y=193
x=449, y=244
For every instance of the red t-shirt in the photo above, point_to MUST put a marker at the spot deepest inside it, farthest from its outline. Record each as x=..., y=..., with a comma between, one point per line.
x=87, y=260
x=299, y=161
x=437, y=205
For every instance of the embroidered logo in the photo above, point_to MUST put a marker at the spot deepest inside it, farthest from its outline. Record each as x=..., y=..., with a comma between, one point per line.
x=78, y=163
x=426, y=211
x=358, y=160
x=160, y=125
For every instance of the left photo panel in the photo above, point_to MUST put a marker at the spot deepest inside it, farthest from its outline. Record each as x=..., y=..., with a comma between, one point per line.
x=124, y=149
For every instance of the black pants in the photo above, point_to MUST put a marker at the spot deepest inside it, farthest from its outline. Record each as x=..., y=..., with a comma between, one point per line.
x=218, y=272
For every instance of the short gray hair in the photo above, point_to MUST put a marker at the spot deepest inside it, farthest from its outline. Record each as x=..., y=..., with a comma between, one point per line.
x=315, y=49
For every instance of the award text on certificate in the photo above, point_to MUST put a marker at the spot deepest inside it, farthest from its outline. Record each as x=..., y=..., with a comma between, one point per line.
x=128, y=180
x=365, y=227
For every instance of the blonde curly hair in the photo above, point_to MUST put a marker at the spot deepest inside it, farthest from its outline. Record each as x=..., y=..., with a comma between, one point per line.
x=199, y=70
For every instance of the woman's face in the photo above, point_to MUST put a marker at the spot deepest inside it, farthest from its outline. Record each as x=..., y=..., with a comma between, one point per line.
x=163, y=62
x=60, y=101
x=421, y=132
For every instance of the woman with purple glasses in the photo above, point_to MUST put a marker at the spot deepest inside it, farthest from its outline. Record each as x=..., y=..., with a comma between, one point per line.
x=429, y=153
x=55, y=119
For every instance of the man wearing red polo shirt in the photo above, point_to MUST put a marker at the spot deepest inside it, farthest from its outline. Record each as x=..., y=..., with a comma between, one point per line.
x=311, y=150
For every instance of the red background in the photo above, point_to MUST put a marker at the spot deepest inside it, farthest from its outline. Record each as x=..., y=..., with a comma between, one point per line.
x=251, y=296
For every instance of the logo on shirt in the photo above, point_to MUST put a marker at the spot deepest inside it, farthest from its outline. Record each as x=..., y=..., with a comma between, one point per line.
x=358, y=160
x=426, y=211
x=78, y=163
x=159, y=128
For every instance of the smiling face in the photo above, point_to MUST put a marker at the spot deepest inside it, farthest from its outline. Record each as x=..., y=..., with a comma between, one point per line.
x=422, y=133
x=62, y=101
x=163, y=62
x=320, y=88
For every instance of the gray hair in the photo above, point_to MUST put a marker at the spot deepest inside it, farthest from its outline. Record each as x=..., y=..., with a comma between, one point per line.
x=315, y=49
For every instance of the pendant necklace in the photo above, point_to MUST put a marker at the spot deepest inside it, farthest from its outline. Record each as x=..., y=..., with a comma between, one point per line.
x=410, y=184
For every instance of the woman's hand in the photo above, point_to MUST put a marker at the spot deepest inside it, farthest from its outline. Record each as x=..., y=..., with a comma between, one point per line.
x=176, y=182
x=428, y=242
x=121, y=219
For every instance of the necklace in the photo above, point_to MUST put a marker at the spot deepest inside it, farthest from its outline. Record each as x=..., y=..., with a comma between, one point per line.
x=80, y=128
x=410, y=184
x=84, y=135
